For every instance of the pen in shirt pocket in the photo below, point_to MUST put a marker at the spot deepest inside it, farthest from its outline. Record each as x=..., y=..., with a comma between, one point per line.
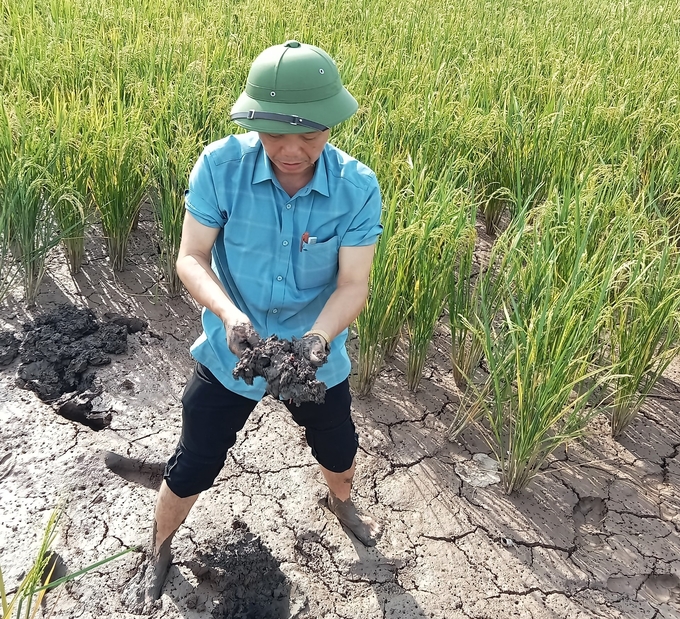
x=307, y=240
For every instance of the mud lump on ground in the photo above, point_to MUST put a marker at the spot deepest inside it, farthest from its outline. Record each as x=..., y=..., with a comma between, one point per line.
x=245, y=579
x=289, y=374
x=244, y=570
x=57, y=351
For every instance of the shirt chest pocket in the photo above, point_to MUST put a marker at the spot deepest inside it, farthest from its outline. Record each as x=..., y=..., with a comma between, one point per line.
x=316, y=264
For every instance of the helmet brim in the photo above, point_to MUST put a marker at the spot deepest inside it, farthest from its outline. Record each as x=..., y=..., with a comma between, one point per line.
x=328, y=112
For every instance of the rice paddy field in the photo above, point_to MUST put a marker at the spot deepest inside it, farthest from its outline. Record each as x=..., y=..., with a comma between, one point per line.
x=529, y=159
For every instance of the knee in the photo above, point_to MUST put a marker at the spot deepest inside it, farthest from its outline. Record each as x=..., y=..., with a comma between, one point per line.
x=334, y=449
x=187, y=473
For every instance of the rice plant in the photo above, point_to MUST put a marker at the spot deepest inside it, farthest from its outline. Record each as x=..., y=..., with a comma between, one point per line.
x=32, y=229
x=173, y=154
x=71, y=164
x=463, y=301
x=643, y=330
x=445, y=240
x=30, y=196
x=119, y=174
x=8, y=267
x=541, y=313
x=27, y=600
x=384, y=314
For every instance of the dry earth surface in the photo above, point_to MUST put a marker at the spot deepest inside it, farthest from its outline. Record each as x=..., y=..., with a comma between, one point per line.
x=597, y=535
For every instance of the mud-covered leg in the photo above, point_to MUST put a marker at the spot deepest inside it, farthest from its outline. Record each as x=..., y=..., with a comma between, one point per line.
x=171, y=511
x=364, y=527
x=145, y=588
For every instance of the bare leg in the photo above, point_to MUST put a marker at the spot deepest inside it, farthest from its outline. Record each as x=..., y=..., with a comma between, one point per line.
x=171, y=511
x=145, y=586
x=366, y=529
x=340, y=484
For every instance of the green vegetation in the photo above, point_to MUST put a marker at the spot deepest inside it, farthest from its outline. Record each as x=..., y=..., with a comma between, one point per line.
x=559, y=122
x=26, y=601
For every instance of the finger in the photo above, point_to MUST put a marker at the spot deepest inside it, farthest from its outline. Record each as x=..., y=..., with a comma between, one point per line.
x=236, y=342
x=318, y=356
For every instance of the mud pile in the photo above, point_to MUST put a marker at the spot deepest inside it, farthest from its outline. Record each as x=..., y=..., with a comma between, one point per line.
x=289, y=374
x=61, y=345
x=9, y=347
x=248, y=577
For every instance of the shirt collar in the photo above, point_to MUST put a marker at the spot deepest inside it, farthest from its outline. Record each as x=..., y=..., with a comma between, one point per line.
x=263, y=171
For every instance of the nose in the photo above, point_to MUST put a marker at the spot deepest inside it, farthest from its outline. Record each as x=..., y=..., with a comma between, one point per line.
x=291, y=145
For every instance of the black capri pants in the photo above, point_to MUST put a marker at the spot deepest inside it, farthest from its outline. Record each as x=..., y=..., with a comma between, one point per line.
x=212, y=415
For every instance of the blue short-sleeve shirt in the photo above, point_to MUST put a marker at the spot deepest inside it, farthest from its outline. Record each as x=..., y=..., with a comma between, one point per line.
x=280, y=282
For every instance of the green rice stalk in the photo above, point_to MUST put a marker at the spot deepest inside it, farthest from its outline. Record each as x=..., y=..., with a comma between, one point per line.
x=27, y=600
x=32, y=228
x=541, y=313
x=432, y=261
x=463, y=299
x=30, y=196
x=70, y=172
x=118, y=177
x=644, y=326
x=443, y=250
x=173, y=153
x=436, y=256
x=8, y=268
x=383, y=314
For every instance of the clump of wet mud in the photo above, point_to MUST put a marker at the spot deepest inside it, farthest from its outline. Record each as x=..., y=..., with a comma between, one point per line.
x=61, y=345
x=245, y=580
x=289, y=374
x=248, y=577
x=9, y=347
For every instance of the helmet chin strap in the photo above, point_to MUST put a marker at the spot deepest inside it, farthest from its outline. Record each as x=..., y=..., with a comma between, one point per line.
x=283, y=118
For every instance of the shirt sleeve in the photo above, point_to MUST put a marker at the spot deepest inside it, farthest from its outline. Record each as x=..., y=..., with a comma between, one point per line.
x=365, y=227
x=201, y=199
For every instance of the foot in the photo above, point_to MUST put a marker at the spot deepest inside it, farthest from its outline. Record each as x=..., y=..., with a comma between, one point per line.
x=146, y=585
x=366, y=529
x=156, y=571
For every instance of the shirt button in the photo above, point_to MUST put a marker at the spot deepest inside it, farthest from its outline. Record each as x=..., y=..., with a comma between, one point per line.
x=288, y=205
x=275, y=311
x=279, y=278
x=285, y=243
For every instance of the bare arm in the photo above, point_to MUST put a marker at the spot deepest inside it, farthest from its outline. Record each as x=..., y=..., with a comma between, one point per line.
x=349, y=298
x=193, y=268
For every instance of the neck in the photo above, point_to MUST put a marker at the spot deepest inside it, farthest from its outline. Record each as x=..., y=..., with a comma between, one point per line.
x=292, y=183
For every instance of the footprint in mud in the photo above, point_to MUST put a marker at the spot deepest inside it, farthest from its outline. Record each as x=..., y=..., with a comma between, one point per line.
x=657, y=589
x=141, y=472
x=662, y=589
x=7, y=461
x=589, y=514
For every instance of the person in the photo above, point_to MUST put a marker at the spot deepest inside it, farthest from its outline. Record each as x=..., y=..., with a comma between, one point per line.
x=278, y=238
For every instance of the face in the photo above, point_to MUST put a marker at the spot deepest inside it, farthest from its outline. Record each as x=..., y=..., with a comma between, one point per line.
x=294, y=154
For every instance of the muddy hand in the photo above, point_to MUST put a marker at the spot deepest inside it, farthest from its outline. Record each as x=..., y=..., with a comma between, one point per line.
x=240, y=336
x=315, y=349
x=365, y=529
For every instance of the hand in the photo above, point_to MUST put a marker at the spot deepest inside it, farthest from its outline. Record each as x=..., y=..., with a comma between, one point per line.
x=315, y=349
x=240, y=335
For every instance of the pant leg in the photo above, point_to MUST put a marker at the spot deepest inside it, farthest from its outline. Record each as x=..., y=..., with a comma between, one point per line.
x=329, y=428
x=211, y=417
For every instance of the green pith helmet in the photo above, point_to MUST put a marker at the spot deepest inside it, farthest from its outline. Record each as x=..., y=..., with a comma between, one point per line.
x=293, y=88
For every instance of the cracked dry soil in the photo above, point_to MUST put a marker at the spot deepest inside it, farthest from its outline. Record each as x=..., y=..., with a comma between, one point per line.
x=597, y=535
